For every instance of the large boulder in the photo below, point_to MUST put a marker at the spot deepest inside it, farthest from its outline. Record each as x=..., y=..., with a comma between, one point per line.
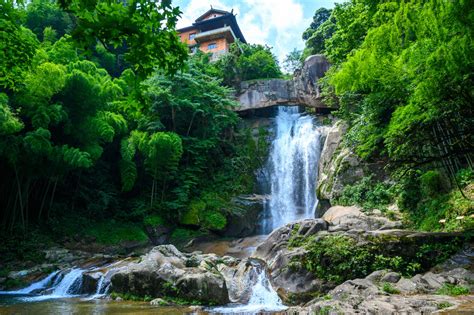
x=265, y=93
x=343, y=218
x=306, y=81
x=340, y=167
x=244, y=218
x=165, y=271
x=303, y=89
x=285, y=250
x=293, y=282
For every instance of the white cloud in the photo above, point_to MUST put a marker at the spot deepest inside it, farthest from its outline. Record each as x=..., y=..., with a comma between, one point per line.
x=280, y=23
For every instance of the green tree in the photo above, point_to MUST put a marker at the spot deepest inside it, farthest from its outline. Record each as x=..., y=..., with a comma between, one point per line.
x=247, y=62
x=320, y=16
x=293, y=61
x=41, y=14
x=144, y=27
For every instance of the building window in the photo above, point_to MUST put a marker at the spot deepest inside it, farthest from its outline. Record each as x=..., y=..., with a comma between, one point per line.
x=191, y=36
x=212, y=46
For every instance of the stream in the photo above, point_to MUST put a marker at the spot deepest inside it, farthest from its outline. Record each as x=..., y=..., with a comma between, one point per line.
x=288, y=177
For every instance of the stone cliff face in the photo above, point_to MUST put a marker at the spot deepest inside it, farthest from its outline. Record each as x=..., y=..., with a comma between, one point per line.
x=303, y=89
x=339, y=167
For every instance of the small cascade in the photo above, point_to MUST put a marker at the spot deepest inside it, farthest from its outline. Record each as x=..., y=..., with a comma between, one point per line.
x=263, y=297
x=103, y=285
x=70, y=284
x=36, y=286
x=292, y=169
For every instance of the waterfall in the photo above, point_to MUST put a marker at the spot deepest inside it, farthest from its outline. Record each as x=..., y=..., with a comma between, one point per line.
x=263, y=297
x=70, y=284
x=292, y=168
x=36, y=286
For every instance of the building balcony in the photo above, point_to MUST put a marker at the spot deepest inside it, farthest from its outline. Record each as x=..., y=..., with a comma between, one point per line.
x=223, y=32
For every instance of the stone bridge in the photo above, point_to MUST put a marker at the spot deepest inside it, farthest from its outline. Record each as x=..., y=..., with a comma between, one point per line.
x=303, y=89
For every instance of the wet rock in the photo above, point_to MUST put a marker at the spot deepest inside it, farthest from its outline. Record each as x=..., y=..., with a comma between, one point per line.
x=291, y=280
x=90, y=281
x=244, y=219
x=207, y=287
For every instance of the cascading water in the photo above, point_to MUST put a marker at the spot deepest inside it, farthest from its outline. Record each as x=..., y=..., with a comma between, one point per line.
x=36, y=286
x=62, y=285
x=263, y=297
x=292, y=169
x=70, y=284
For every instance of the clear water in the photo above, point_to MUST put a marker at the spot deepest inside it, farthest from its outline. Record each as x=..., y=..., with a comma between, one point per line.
x=292, y=168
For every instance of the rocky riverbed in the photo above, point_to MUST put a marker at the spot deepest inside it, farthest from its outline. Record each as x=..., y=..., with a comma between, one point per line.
x=168, y=276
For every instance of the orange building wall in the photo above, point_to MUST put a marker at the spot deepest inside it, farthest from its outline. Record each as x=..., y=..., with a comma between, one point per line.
x=221, y=45
x=185, y=37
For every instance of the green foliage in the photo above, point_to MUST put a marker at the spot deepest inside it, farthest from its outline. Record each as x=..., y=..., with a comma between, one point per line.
x=320, y=30
x=104, y=82
x=17, y=48
x=451, y=289
x=465, y=177
x=396, y=48
x=444, y=305
x=153, y=220
x=9, y=122
x=388, y=288
x=431, y=183
x=368, y=194
x=293, y=61
x=247, y=62
x=144, y=27
x=41, y=14
x=431, y=208
x=338, y=258
x=111, y=232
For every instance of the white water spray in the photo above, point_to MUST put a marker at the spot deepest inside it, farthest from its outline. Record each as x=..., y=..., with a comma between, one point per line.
x=292, y=169
x=262, y=299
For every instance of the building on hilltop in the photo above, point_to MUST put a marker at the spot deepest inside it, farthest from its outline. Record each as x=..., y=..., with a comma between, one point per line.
x=212, y=32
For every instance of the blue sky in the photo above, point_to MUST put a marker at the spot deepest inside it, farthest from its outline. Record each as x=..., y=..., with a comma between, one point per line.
x=277, y=23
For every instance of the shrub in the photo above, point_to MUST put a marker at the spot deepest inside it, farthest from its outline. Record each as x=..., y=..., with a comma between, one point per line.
x=431, y=183
x=465, y=176
x=153, y=220
x=337, y=258
x=443, y=305
x=111, y=232
x=368, y=194
x=451, y=289
x=388, y=288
